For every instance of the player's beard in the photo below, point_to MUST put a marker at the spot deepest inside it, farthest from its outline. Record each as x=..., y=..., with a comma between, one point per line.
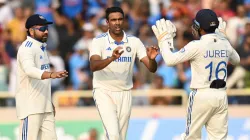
x=42, y=38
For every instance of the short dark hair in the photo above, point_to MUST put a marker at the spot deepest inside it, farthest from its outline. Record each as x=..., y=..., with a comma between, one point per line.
x=113, y=10
x=28, y=32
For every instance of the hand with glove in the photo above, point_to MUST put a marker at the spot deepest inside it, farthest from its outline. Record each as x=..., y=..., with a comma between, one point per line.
x=221, y=30
x=164, y=31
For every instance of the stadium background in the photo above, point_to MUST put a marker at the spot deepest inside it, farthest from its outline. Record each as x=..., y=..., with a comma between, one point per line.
x=159, y=99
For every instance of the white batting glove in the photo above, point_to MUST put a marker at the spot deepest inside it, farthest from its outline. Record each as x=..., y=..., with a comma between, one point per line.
x=164, y=31
x=221, y=30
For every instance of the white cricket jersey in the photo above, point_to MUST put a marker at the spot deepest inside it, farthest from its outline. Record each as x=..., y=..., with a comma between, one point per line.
x=208, y=56
x=33, y=95
x=117, y=76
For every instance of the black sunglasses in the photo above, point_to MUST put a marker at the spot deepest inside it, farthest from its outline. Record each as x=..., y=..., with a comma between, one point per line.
x=42, y=29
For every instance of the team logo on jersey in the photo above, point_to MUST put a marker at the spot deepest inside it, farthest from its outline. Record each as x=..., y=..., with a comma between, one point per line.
x=109, y=49
x=128, y=49
x=41, y=57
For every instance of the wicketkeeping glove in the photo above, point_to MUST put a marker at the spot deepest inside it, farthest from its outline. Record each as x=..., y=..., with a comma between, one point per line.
x=164, y=31
x=221, y=30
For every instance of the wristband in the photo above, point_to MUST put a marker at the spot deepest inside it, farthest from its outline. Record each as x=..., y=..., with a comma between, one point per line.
x=50, y=75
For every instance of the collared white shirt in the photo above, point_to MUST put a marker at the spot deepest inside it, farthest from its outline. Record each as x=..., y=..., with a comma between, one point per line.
x=33, y=95
x=208, y=56
x=117, y=76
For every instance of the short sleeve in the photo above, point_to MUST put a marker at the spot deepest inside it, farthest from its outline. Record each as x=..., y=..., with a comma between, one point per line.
x=141, y=50
x=95, y=47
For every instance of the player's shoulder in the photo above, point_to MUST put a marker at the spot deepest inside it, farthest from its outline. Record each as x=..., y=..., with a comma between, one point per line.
x=193, y=44
x=129, y=36
x=101, y=36
x=27, y=45
x=132, y=38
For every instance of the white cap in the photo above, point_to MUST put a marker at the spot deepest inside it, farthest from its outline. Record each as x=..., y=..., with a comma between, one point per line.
x=88, y=27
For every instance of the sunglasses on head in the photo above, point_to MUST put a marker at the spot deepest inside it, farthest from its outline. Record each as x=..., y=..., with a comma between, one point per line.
x=42, y=29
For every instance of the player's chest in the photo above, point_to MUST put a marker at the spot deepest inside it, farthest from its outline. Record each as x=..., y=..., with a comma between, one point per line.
x=129, y=50
x=42, y=60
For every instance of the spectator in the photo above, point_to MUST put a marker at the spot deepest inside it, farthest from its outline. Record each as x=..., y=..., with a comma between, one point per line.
x=46, y=8
x=5, y=12
x=71, y=8
x=102, y=26
x=247, y=6
x=77, y=65
x=57, y=64
x=236, y=26
x=16, y=26
x=223, y=10
x=238, y=75
x=158, y=84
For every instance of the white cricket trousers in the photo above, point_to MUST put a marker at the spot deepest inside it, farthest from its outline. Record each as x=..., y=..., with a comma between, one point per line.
x=207, y=107
x=114, y=109
x=38, y=127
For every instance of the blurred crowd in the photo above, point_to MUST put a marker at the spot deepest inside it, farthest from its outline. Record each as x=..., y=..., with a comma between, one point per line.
x=77, y=22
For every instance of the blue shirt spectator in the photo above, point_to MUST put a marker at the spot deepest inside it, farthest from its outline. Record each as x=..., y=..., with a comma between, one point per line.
x=76, y=64
x=43, y=7
x=247, y=2
x=71, y=8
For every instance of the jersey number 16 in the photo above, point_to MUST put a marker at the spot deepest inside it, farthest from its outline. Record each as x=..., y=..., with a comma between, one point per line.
x=218, y=69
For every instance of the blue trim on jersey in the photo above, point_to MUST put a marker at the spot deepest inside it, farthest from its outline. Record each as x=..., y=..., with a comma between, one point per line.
x=119, y=43
x=101, y=35
x=28, y=44
x=43, y=48
x=189, y=116
x=25, y=129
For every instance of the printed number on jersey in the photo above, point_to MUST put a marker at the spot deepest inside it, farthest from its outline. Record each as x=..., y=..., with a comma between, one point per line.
x=221, y=67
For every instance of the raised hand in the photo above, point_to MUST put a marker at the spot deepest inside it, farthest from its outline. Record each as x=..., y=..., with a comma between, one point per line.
x=221, y=30
x=164, y=31
x=117, y=53
x=60, y=74
x=152, y=52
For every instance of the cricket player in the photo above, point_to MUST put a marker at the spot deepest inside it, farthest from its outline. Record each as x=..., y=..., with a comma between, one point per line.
x=112, y=58
x=209, y=57
x=33, y=94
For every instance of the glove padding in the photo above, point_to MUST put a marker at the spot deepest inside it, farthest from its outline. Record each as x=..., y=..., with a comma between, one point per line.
x=221, y=30
x=164, y=31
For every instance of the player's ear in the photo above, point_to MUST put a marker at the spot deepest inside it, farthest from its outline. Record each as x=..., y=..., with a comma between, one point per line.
x=31, y=31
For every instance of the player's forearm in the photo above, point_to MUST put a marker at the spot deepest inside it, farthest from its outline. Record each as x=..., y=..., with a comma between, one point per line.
x=234, y=58
x=169, y=57
x=46, y=75
x=34, y=72
x=152, y=65
x=96, y=65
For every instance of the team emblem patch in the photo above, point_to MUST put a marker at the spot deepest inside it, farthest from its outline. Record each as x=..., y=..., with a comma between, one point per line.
x=41, y=17
x=128, y=49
